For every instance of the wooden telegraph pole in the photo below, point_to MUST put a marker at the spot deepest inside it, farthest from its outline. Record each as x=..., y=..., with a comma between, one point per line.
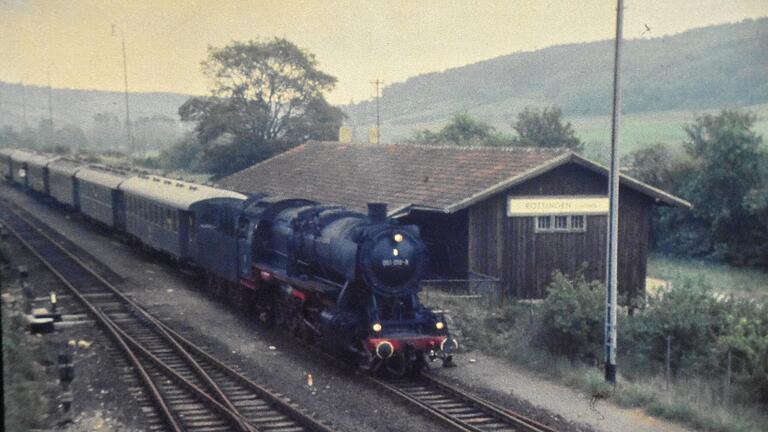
x=377, y=83
x=613, y=225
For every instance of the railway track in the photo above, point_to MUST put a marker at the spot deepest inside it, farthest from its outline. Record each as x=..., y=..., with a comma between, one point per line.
x=456, y=408
x=453, y=407
x=190, y=390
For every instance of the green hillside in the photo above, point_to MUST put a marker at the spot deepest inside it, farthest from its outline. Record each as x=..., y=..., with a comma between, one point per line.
x=645, y=128
x=666, y=80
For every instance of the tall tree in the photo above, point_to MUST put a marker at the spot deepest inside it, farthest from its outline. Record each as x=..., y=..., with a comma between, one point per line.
x=729, y=174
x=725, y=176
x=545, y=128
x=265, y=95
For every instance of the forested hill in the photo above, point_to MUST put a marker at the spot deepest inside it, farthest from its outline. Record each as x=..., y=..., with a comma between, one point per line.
x=711, y=67
x=78, y=107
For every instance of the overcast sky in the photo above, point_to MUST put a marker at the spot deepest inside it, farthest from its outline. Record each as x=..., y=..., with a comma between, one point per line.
x=356, y=41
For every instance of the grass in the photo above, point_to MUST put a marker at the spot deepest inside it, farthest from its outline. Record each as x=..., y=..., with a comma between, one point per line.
x=24, y=387
x=741, y=282
x=503, y=331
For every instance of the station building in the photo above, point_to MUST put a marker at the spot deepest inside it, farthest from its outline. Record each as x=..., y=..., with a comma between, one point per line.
x=514, y=214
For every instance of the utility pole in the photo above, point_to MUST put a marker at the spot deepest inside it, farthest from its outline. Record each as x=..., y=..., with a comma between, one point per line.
x=24, y=103
x=50, y=99
x=378, y=82
x=115, y=28
x=613, y=216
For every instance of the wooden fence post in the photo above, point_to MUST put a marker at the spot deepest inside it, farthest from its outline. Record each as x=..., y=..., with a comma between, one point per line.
x=668, y=360
x=728, y=380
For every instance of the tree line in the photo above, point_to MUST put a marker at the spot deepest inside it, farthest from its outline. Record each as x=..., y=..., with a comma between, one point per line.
x=534, y=127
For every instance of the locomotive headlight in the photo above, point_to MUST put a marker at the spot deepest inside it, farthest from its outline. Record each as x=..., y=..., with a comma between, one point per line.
x=395, y=252
x=376, y=327
x=439, y=325
x=398, y=238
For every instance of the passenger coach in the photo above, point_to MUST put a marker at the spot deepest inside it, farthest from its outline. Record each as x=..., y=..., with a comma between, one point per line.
x=62, y=185
x=34, y=165
x=6, y=163
x=158, y=211
x=99, y=196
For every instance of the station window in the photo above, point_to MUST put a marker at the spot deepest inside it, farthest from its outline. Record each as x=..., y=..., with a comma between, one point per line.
x=577, y=222
x=560, y=223
x=543, y=223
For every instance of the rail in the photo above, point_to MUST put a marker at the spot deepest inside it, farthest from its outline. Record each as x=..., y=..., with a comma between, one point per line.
x=191, y=389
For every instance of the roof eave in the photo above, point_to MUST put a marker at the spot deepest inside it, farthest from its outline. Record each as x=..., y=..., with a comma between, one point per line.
x=659, y=195
x=632, y=183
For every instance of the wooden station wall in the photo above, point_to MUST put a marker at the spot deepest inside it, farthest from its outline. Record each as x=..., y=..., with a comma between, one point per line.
x=510, y=249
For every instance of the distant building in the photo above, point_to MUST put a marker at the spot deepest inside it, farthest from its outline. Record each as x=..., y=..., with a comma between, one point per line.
x=516, y=214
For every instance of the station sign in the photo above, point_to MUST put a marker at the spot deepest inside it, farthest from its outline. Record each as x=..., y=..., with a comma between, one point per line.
x=557, y=205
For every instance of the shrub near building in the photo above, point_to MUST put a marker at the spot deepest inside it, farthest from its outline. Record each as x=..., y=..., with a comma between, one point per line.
x=703, y=328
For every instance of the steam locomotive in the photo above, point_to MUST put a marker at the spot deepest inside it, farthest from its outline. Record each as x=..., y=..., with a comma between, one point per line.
x=343, y=280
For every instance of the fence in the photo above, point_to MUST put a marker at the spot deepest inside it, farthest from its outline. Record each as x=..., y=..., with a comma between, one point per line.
x=477, y=287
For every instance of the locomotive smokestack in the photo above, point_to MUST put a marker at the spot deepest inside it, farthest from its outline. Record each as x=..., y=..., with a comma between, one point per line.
x=377, y=212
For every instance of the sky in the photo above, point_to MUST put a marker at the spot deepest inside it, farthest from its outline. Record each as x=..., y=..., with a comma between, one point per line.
x=355, y=41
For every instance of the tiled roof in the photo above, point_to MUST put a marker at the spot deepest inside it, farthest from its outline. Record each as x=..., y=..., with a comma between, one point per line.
x=440, y=178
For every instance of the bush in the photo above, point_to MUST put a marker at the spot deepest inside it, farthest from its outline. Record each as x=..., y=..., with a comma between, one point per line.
x=690, y=314
x=746, y=337
x=23, y=379
x=571, y=318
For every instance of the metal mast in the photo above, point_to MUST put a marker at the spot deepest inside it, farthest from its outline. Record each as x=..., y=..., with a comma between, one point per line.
x=125, y=80
x=613, y=216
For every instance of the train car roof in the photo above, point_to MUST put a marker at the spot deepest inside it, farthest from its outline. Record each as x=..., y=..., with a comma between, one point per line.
x=66, y=166
x=107, y=177
x=33, y=157
x=174, y=193
x=8, y=151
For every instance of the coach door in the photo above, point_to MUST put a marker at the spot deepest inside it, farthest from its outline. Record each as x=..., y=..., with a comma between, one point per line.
x=187, y=236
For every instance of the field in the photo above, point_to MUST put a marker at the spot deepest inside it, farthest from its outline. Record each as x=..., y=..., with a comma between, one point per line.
x=742, y=282
x=642, y=129
x=637, y=129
